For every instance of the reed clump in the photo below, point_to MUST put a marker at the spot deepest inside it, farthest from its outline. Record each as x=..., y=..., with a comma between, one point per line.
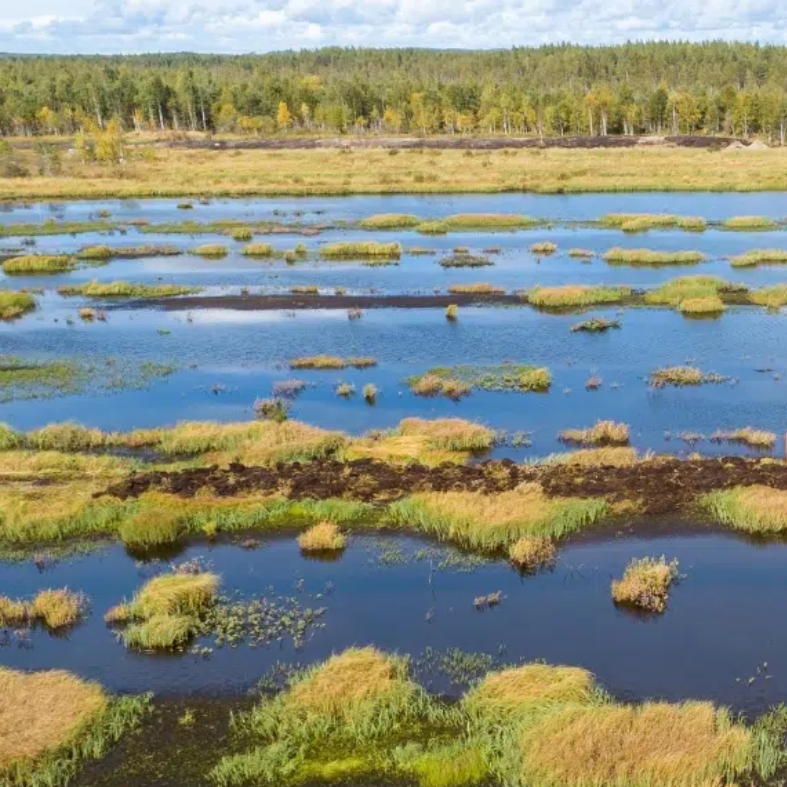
x=452, y=312
x=601, y=433
x=56, y=609
x=489, y=221
x=99, y=253
x=331, y=362
x=211, y=250
x=433, y=228
x=683, y=288
x=257, y=250
x=646, y=583
x=370, y=393
x=125, y=289
x=389, y=221
x=620, y=256
x=360, y=250
x=478, y=288
x=751, y=259
x=755, y=509
x=682, y=375
x=465, y=260
x=755, y=438
x=575, y=295
x=15, y=304
x=241, y=233
x=322, y=537
x=773, y=297
x=641, y=222
x=38, y=263
x=710, y=304
x=532, y=552
x=749, y=223
x=581, y=254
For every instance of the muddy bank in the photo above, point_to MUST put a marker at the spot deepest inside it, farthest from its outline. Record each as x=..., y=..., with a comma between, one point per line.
x=297, y=302
x=660, y=486
x=456, y=142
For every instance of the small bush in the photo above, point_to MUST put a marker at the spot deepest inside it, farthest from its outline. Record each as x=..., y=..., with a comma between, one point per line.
x=272, y=409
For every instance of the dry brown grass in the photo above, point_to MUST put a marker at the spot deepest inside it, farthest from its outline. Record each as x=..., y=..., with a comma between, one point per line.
x=599, y=457
x=601, y=433
x=57, y=608
x=756, y=438
x=530, y=552
x=652, y=745
x=42, y=711
x=513, y=690
x=645, y=583
x=322, y=537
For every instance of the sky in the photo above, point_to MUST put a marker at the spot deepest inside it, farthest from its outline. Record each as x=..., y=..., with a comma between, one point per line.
x=240, y=26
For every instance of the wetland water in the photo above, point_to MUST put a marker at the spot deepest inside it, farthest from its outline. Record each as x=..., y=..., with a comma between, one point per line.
x=402, y=594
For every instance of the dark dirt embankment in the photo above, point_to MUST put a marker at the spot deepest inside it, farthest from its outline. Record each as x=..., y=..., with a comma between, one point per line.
x=297, y=302
x=661, y=486
x=455, y=142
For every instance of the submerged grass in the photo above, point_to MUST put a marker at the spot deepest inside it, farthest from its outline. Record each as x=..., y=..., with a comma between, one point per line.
x=38, y=263
x=646, y=583
x=575, y=295
x=125, y=289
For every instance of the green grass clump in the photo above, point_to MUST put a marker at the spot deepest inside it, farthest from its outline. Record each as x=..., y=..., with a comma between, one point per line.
x=758, y=257
x=241, y=234
x=754, y=438
x=166, y=612
x=684, y=288
x=595, y=325
x=489, y=221
x=749, y=223
x=641, y=222
x=710, y=304
x=38, y=263
x=213, y=250
x=124, y=289
x=52, y=227
x=389, y=221
x=575, y=295
x=257, y=250
x=360, y=249
x=620, y=256
x=98, y=253
x=773, y=297
x=754, y=509
x=331, y=362
x=601, y=433
x=464, y=260
x=478, y=288
x=432, y=228
x=15, y=304
x=582, y=254
x=504, y=377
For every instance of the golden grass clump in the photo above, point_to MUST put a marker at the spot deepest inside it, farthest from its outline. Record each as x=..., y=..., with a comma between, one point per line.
x=15, y=304
x=322, y=537
x=451, y=311
x=99, y=253
x=756, y=257
x=241, y=234
x=773, y=297
x=710, y=304
x=489, y=221
x=574, y=295
x=389, y=221
x=125, y=289
x=601, y=433
x=755, y=509
x=511, y=691
x=678, y=376
x=601, y=457
x=747, y=223
x=13, y=612
x=214, y=250
x=691, y=744
x=530, y=552
x=492, y=521
x=449, y=434
x=683, y=288
x=360, y=249
x=581, y=254
x=543, y=247
x=318, y=362
x=641, y=222
x=432, y=228
x=619, y=256
x=41, y=712
x=645, y=583
x=87, y=314
x=257, y=250
x=38, y=263
x=756, y=438
x=57, y=608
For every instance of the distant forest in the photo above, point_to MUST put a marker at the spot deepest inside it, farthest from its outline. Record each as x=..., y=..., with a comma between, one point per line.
x=659, y=87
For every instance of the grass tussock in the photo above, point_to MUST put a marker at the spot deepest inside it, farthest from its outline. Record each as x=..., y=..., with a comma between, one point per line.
x=601, y=433
x=241, y=234
x=257, y=250
x=494, y=521
x=166, y=611
x=697, y=292
x=55, y=609
x=124, y=289
x=389, y=221
x=478, y=288
x=360, y=250
x=332, y=362
x=38, y=263
x=641, y=222
x=15, y=304
x=679, y=376
x=211, y=250
x=620, y=256
x=575, y=295
x=581, y=254
x=600, y=457
x=465, y=260
x=433, y=228
x=452, y=312
x=457, y=381
x=710, y=304
x=749, y=223
x=489, y=221
x=544, y=247
x=773, y=297
x=531, y=552
x=645, y=583
x=754, y=438
x=751, y=259
x=322, y=537
x=754, y=509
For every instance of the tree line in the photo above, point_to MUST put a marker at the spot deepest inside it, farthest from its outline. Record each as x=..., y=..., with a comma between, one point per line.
x=656, y=87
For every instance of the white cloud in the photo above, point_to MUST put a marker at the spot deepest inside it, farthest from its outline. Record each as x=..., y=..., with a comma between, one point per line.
x=106, y=26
